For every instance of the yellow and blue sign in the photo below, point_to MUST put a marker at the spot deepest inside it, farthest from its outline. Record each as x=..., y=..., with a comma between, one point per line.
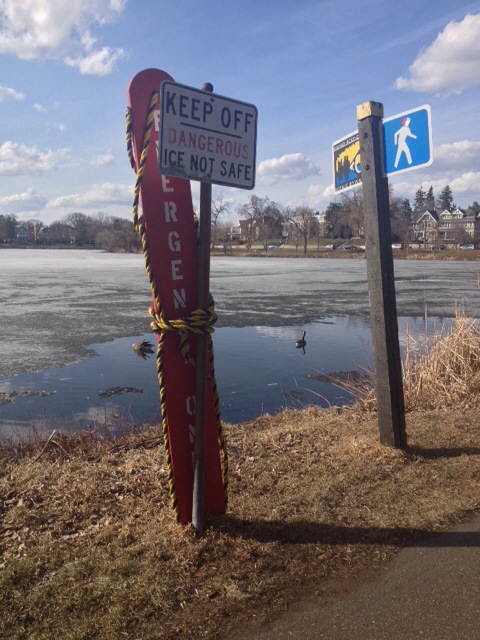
x=347, y=169
x=406, y=145
x=407, y=141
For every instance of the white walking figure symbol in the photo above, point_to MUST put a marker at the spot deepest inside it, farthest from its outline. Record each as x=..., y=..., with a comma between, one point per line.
x=400, y=139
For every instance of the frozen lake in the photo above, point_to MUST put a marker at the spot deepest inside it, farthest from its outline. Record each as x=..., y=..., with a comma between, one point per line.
x=58, y=307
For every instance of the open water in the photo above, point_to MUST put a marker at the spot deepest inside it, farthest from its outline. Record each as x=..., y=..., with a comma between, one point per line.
x=69, y=319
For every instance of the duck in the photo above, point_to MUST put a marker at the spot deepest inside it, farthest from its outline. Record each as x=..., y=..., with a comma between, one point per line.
x=301, y=343
x=143, y=348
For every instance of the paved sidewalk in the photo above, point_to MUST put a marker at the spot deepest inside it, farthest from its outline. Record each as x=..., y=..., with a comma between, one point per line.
x=430, y=591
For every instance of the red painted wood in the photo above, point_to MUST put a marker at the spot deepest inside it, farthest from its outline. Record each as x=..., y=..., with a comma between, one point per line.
x=167, y=209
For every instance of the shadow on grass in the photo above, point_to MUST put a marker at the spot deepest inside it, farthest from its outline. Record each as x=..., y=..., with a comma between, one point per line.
x=443, y=452
x=303, y=532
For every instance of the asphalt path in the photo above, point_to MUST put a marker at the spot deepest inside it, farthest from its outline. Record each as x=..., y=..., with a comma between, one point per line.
x=429, y=591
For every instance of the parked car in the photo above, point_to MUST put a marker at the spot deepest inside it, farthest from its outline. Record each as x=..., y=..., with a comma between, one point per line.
x=467, y=247
x=330, y=247
x=397, y=245
x=272, y=246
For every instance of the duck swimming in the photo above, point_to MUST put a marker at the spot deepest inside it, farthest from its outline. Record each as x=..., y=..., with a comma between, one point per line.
x=302, y=342
x=143, y=348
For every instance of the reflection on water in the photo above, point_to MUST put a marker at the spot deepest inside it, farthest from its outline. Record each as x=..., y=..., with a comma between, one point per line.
x=259, y=370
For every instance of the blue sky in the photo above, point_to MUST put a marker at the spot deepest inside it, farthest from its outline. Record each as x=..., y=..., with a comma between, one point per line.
x=65, y=66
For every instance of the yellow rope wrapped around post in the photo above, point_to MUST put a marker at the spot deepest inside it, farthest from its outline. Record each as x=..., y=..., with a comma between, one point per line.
x=199, y=321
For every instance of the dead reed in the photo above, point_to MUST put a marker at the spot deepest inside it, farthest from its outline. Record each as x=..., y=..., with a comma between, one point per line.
x=444, y=369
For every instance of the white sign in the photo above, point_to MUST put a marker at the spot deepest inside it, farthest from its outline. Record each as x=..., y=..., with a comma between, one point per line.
x=206, y=137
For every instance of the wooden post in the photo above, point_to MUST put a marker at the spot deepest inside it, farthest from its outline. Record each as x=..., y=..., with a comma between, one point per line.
x=198, y=507
x=381, y=282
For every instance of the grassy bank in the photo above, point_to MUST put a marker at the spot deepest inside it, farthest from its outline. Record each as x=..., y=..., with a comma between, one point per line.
x=287, y=251
x=90, y=549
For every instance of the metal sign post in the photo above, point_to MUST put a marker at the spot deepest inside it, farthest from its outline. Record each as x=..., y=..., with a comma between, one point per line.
x=198, y=509
x=381, y=283
x=210, y=138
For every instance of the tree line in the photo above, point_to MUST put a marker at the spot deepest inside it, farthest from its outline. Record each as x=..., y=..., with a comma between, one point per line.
x=263, y=221
x=344, y=219
x=110, y=233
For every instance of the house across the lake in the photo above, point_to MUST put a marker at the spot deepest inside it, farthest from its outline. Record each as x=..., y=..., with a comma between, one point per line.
x=21, y=234
x=452, y=227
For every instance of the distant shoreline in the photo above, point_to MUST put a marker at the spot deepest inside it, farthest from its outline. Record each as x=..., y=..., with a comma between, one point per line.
x=403, y=254
x=287, y=252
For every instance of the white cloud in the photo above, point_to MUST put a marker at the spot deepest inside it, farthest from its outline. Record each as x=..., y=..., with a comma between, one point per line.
x=450, y=64
x=60, y=30
x=103, y=160
x=464, y=154
x=10, y=94
x=100, y=195
x=62, y=127
x=20, y=160
x=329, y=192
x=38, y=107
x=97, y=63
x=467, y=182
x=293, y=166
x=318, y=196
x=465, y=186
x=21, y=202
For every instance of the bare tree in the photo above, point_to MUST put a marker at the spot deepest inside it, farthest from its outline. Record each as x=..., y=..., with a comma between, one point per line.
x=352, y=205
x=300, y=220
x=222, y=235
x=58, y=233
x=265, y=218
x=460, y=235
x=34, y=228
x=119, y=236
x=219, y=209
x=81, y=224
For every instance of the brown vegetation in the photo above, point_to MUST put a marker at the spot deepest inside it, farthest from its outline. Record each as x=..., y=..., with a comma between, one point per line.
x=289, y=251
x=90, y=548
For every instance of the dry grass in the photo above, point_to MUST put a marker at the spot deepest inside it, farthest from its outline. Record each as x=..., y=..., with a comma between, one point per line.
x=89, y=547
x=444, y=369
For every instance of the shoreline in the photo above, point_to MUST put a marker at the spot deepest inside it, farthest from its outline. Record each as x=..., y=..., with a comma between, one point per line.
x=285, y=252
x=402, y=254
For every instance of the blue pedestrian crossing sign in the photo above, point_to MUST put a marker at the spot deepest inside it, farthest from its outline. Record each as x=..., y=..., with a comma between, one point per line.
x=407, y=141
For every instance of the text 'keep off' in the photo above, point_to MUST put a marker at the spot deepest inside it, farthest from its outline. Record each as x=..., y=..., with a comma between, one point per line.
x=206, y=137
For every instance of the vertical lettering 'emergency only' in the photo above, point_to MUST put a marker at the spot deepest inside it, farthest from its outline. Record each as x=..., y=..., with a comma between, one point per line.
x=206, y=137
